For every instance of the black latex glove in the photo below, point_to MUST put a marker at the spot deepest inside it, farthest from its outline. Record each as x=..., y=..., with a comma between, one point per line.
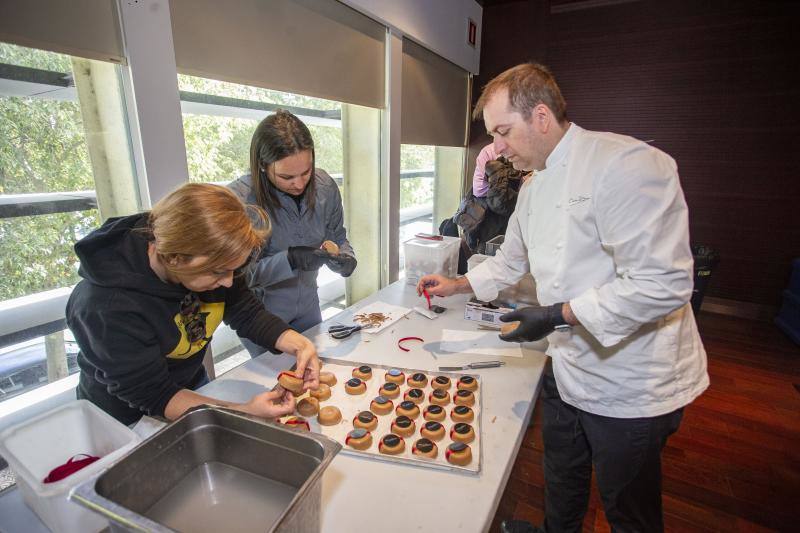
x=342, y=264
x=535, y=323
x=306, y=257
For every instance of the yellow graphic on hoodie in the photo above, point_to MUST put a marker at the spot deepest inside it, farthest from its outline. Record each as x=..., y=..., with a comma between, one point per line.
x=202, y=324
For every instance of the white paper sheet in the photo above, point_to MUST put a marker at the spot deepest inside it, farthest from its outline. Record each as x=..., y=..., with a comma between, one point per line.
x=394, y=312
x=460, y=342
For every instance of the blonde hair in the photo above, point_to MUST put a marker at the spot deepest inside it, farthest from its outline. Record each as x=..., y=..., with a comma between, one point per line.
x=201, y=219
x=528, y=85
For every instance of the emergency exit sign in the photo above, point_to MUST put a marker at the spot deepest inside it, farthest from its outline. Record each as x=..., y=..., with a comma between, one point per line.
x=472, y=31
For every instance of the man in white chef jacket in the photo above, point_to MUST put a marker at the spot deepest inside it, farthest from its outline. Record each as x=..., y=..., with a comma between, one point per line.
x=603, y=228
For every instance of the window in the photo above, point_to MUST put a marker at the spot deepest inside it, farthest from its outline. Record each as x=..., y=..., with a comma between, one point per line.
x=64, y=168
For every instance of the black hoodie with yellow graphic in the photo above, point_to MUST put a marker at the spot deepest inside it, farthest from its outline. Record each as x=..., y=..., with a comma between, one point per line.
x=131, y=326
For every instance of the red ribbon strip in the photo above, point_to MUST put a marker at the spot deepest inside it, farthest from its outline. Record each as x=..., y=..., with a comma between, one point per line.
x=427, y=297
x=400, y=342
x=70, y=467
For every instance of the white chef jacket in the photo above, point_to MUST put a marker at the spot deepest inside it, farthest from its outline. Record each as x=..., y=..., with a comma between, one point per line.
x=605, y=227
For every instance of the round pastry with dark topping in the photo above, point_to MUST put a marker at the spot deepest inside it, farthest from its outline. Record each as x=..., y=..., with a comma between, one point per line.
x=393, y=375
x=417, y=380
x=355, y=386
x=439, y=397
x=459, y=454
x=467, y=383
x=329, y=415
x=390, y=390
x=297, y=422
x=425, y=448
x=441, y=382
x=381, y=405
x=462, y=432
x=365, y=420
x=414, y=395
x=408, y=408
x=328, y=378
x=434, y=412
x=359, y=439
x=363, y=372
x=464, y=397
x=462, y=413
x=403, y=426
x=432, y=430
x=391, y=444
x=322, y=393
x=308, y=406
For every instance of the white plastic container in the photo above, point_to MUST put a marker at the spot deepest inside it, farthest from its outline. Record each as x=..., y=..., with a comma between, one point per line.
x=33, y=448
x=427, y=256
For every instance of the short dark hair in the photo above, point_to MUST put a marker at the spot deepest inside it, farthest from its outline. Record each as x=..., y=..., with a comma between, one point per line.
x=528, y=85
x=276, y=137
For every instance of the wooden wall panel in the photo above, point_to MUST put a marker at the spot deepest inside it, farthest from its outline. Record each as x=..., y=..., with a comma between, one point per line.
x=713, y=83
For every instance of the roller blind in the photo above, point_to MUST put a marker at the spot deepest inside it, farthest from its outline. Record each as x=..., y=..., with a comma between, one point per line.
x=85, y=28
x=319, y=48
x=434, y=100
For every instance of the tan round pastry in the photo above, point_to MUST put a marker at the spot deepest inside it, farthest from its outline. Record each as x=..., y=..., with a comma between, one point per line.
x=440, y=382
x=432, y=430
x=292, y=383
x=414, y=395
x=322, y=393
x=508, y=328
x=359, y=439
x=308, y=406
x=365, y=420
x=329, y=415
x=462, y=413
x=390, y=390
x=394, y=375
x=439, y=397
x=467, y=383
x=435, y=413
x=355, y=386
x=408, y=408
x=459, y=454
x=403, y=426
x=417, y=380
x=363, y=372
x=464, y=397
x=381, y=405
x=330, y=247
x=391, y=444
x=462, y=432
x=425, y=448
x=328, y=378
x=297, y=422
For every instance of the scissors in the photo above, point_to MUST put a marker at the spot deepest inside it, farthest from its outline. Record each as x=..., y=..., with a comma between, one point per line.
x=342, y=332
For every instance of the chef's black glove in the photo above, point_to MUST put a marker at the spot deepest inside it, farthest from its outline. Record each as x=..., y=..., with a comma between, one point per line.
x=342, y=264
x=534, y=323
x=306, y=257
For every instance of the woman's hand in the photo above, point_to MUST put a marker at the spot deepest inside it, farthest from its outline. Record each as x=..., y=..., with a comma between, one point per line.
x=437, y=285
x=303, y=349
x=270, y=404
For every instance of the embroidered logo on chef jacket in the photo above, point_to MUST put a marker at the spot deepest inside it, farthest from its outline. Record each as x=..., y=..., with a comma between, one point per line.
x=204, y=321
x=579, y=200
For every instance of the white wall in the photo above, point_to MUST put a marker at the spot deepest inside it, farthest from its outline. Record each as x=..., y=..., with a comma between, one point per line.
x=438, y=25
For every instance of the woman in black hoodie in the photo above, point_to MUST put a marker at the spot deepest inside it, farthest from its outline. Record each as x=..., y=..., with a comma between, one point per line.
x=155, y=287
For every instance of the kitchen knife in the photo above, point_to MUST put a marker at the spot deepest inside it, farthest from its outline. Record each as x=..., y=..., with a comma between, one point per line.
x=472, y=366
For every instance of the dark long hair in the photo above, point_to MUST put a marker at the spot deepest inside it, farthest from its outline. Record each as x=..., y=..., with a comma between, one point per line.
x=278, y=136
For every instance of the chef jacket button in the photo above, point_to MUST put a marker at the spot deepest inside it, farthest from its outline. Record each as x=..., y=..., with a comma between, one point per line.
x=558, y=205
x=556, y=285
x=559, y=245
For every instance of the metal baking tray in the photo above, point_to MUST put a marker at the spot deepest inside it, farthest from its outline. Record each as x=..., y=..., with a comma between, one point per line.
x=350, y=406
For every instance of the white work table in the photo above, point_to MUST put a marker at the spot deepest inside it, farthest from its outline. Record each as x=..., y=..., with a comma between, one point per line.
x=398, y=497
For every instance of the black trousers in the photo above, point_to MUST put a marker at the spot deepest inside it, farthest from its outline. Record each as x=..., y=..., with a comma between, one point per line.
x=625, y=453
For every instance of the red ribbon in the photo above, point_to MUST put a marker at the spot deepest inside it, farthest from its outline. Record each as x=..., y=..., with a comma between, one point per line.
x=400, y=342
x=427, y=297
x=70, y=467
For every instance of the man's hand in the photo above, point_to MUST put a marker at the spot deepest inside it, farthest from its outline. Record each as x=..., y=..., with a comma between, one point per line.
x=303, y=349
x=438, y=285
x=270, y=404
x=342, y=264
x=535, y=323
x=306, y=257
